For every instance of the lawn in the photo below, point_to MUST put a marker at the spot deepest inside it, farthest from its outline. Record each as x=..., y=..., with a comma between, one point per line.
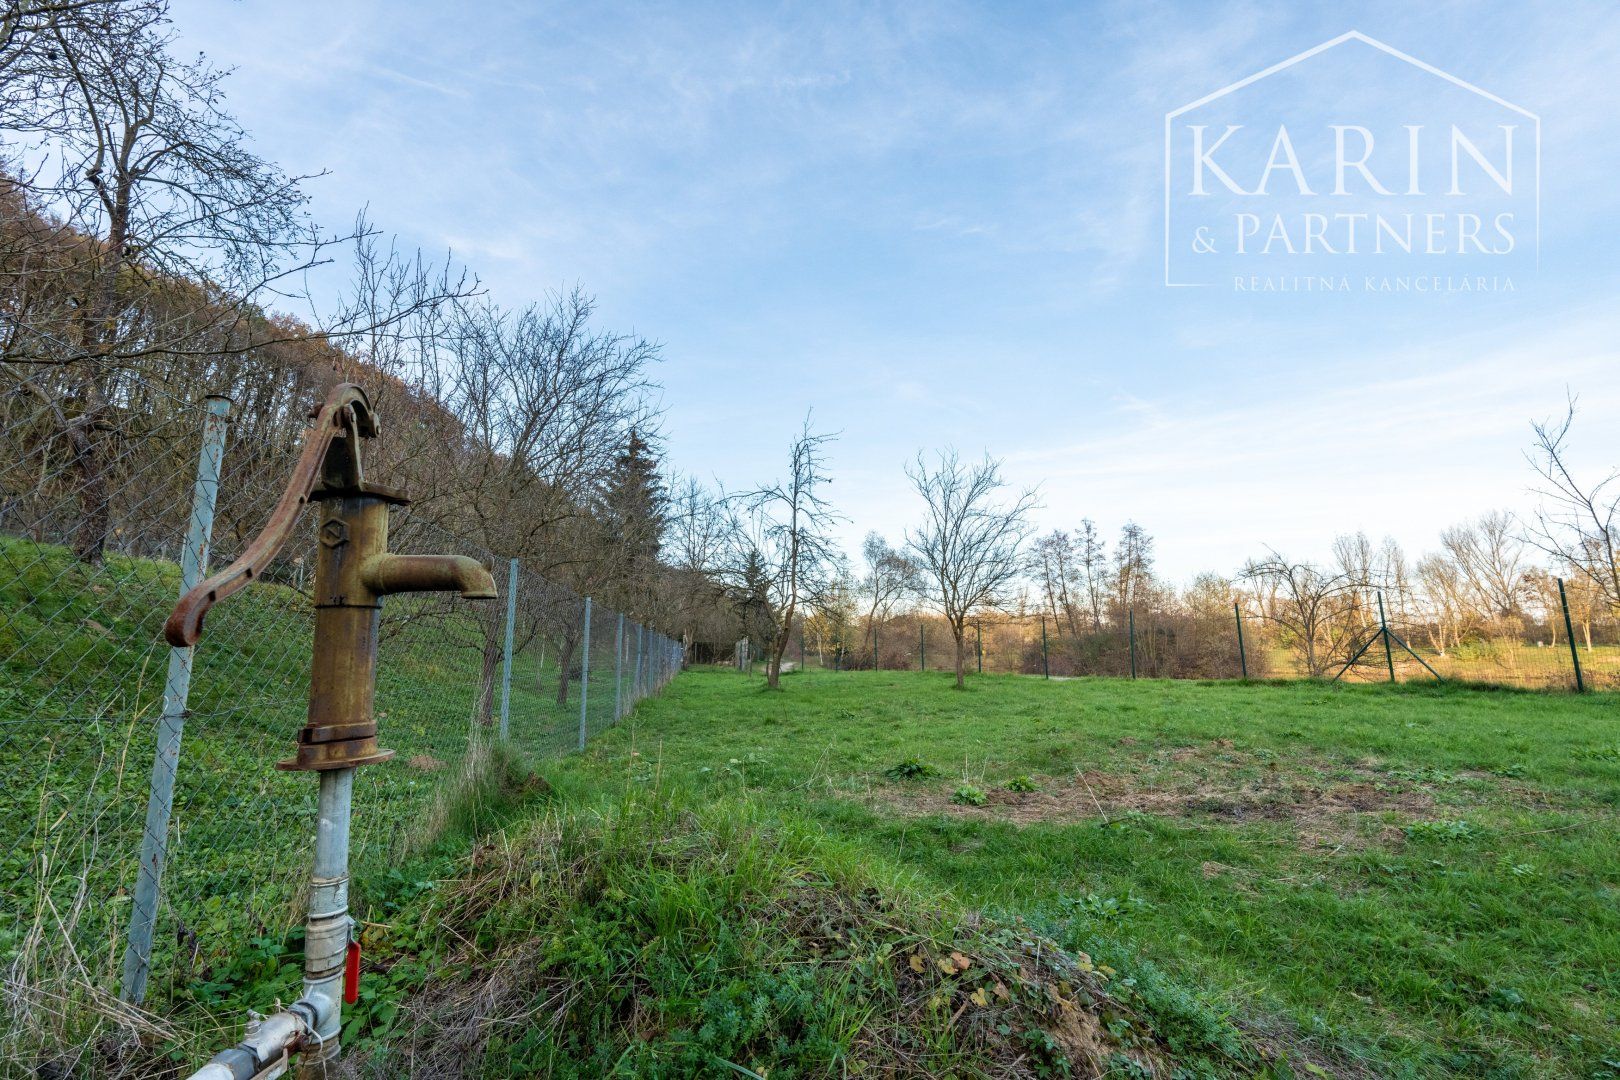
x=1418, y=881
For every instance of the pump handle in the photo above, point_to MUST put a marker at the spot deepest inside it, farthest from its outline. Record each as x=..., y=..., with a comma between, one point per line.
x=347, y=411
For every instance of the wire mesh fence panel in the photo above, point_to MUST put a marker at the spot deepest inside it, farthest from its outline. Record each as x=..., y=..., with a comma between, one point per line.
x=87, y=574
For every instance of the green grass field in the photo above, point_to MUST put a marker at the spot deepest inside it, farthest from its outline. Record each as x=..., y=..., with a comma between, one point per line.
x=1404, y=881
x=1268, y=880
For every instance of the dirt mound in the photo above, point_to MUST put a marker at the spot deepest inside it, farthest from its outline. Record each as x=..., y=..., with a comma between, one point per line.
x=685, y=948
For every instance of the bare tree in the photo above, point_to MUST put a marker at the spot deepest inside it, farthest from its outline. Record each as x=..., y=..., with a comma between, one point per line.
x=156, y=236
x=785, y=538
x=1446, y=596
x=890, y=577
x=1578, y=523
x=969, y=544
x=1091, y=550
x=1490, y=556
x=1312, y=606
x=1054, y=564
x=1133, y=566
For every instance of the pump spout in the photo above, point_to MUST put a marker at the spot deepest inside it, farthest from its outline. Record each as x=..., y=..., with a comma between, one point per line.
x=388, y=573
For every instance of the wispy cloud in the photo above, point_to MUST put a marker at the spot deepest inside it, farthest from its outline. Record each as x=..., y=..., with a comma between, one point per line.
x=938, y=222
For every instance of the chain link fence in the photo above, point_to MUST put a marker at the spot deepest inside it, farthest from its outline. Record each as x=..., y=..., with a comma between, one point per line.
x=145, y=833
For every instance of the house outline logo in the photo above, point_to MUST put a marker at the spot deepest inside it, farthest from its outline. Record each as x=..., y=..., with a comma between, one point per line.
x=1299, y=58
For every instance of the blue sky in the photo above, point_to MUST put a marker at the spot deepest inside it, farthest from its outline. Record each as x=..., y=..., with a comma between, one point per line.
x=942, y=223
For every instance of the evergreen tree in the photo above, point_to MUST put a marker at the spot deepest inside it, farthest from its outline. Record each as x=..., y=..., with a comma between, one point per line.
x=634, y=505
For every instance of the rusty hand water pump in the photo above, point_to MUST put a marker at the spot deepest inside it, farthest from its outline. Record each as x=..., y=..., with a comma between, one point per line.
x=354, y=570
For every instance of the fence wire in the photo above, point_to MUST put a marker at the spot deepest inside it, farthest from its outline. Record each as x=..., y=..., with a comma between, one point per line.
x=1533, y=652
x=82, y=706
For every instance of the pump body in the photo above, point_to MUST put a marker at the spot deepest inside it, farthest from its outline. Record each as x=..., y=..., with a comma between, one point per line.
x=354, y=570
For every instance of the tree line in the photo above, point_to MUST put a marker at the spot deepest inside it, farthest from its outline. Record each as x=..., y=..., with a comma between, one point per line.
x=149, y=256
x=975, y=560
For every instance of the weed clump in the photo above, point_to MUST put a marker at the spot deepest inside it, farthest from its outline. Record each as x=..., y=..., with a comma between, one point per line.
x=910, y=769
x=969, y=795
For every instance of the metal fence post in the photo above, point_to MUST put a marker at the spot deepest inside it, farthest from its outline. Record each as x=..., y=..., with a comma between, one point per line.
x=1383, y=628
x=1243, y=660
x=1046, y=666
x=1131, y=612
x=978, y=634
x=618, y=667
x=506, y=650
x=585, y=675
x=635, y=684
x=171, y=725
x=1569, y=632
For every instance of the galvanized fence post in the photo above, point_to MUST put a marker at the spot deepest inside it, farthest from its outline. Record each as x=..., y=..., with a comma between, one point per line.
x=1569, y=632
x=618, y=667
x=635, y=684
x=585, y=675
x=506, y=649
x=1243, y=659
x=171, y=725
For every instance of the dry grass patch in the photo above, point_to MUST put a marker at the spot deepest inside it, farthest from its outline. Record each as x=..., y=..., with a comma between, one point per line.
x=1211, y=781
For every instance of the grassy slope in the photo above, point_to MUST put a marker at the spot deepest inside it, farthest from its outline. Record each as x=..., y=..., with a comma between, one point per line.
x=1487, y=948
x=81, y=677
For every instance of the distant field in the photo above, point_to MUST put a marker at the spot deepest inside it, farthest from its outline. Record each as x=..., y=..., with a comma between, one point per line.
x=1499, y=662
x=1421, y=881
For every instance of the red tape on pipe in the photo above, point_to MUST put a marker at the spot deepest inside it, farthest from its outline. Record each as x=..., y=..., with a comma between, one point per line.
x=351, y=974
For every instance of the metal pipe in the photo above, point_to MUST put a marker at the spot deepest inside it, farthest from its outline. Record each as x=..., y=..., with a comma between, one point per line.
x=388, y=573
x=327, y=934
x=268, y=1042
